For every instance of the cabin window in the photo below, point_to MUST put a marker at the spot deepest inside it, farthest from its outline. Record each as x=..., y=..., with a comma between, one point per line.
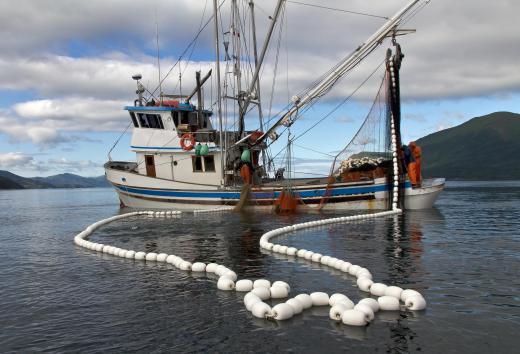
x=209, y=163
x=197, y=163
x=175, y=116
x=184, y=117
x=143, y=122
x=134, y=119
x=154, y=121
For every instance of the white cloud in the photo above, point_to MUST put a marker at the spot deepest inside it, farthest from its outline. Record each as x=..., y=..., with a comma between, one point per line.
x=15, y=159
x=460, y=50
x=27, y=164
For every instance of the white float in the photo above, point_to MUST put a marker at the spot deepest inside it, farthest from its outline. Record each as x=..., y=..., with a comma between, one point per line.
x=319, y=298
x=261, y=310
x=354, y=318
x=225, y=284
x=388, y=303
x=197, y=266
x=282, y=312
x=305, y=300
x=244, y=285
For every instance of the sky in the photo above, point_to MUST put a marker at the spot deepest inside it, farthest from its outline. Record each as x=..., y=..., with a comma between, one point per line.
x=66, y=67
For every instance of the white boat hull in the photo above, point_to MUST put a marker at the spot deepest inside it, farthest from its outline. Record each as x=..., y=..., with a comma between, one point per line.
x=143, y=192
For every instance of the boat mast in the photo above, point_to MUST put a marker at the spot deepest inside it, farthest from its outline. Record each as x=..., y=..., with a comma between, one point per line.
x=219, y=104
x=247, y=96
x=345, y=65
x=255, y=52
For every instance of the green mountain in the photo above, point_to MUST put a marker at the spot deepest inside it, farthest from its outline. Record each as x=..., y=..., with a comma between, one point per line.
x=483, y=148
x=69, y=180
x=6, y=183
x=25, y=183
x=9, y=180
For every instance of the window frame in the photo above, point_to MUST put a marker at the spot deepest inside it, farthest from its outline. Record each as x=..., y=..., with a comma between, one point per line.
x=212, y=164
x=134, y=119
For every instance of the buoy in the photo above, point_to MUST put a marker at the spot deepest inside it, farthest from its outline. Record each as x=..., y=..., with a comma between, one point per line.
x=336, y=311
x=198, y=267
x=354, y=318
x=262, y=283
x=388, y=303
x=378, y=289
x=244, y=285
x=364, y=284
x=225, y=284
x=276, y=248
x=220, y=270
x=415, y=303
x=130, y=254
x=324, y=260
x=140, y=256
x=338, y=264
x=250, y=299
x=262, y=292
x=308, y=255
x=231, y=275
x=161, y=257
x=261, y=310
x=374, y=305
x=305, y=300
x=301, y=253
x=282, y=312
x=394, y=291
x=151, y=257
x=353, y=269
x=282, y=283
x=291, y=251
x=364, y=273
x=282, y=249
x=367, y=310
x=295, y=304
x=279, y=292
x=345, y=267
x=210, y=268
x=170, y=259
x=316, y=257
x=319, y=299
x=407, y=293
x=184, y=265
x=336, y=298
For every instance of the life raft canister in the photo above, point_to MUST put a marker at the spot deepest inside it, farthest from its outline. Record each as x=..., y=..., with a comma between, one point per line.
x=167, y=103
x=187, y=141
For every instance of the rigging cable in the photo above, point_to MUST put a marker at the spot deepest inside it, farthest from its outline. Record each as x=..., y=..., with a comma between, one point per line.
x=337, y=9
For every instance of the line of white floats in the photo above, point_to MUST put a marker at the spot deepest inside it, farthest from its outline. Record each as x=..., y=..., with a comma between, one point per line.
x=342, y=308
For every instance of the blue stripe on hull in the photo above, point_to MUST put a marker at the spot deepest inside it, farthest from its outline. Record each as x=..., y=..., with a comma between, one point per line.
x=334, y=192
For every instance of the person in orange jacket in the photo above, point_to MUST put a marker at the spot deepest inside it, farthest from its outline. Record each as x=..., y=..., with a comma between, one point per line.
x=409, y=161
x=417, y=152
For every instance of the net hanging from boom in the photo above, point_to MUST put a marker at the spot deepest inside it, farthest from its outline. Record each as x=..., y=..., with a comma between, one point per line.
x=368, y=154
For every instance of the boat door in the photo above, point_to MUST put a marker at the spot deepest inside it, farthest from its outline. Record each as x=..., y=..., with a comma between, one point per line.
x=150, y=165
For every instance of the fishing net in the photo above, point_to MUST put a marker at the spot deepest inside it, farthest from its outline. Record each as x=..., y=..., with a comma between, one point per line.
x=368, y=155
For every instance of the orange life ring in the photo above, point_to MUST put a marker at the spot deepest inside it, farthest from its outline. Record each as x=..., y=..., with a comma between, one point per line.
x=187, y=141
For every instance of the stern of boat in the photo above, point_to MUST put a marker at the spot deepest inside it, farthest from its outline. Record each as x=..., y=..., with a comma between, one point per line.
x=425, y=196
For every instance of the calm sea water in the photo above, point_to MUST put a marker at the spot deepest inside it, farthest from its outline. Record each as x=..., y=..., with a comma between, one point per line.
x=56, y=297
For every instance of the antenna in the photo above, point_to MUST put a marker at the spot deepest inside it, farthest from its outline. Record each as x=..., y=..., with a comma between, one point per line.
x=158, y=55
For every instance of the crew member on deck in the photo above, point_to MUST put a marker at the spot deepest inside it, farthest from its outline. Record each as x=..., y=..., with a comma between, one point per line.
x=409, y=161
x=416, y=151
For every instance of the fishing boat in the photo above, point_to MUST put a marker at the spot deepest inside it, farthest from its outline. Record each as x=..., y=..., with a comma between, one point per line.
x=188, y=157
